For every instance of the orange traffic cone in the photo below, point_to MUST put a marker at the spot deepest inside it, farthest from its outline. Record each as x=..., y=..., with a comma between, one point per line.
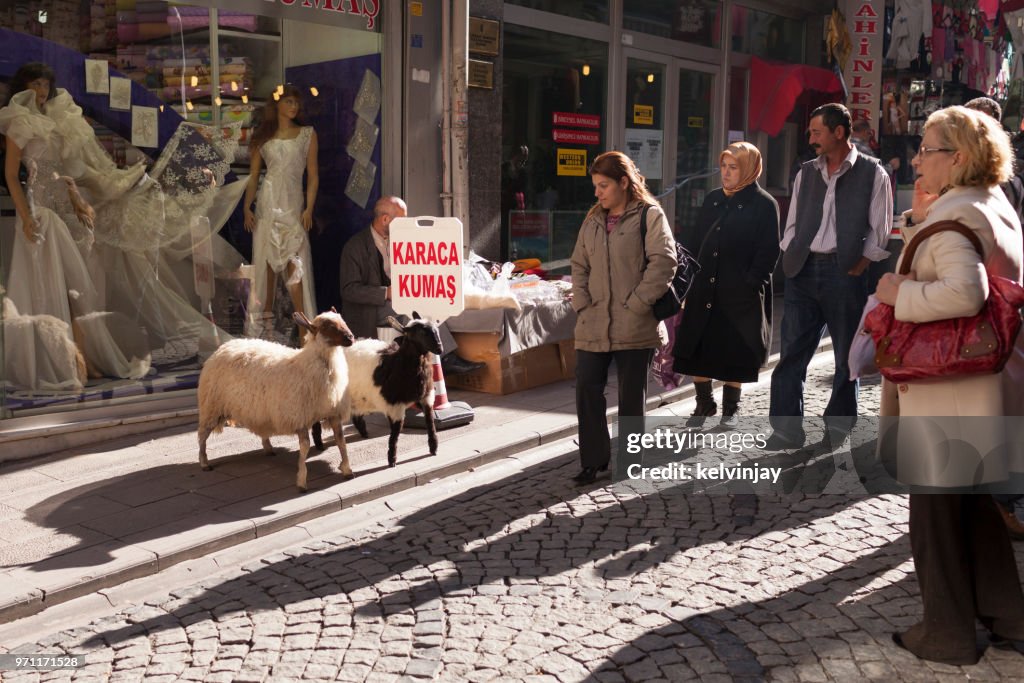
x=446, y=413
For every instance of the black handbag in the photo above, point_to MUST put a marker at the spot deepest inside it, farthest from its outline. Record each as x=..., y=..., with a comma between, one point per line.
x=687, y=267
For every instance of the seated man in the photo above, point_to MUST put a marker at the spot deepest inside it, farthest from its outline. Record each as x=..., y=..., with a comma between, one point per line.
x=366, y=284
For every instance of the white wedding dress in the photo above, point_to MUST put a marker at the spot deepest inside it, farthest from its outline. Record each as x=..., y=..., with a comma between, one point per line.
x=279, y=238
x=127, y=288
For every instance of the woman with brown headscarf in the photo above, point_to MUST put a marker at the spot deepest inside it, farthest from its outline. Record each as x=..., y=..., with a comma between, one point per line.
x=726, y=328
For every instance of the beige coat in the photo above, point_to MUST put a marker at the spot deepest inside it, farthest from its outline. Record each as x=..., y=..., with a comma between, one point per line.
x=612, y=291
x=950, y=281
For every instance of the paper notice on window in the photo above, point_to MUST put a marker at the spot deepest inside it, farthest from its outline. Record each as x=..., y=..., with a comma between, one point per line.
x=367, y=102
x=97, y=80
x=643, y=146
x=360, y=183
x=364, y=139
x=120, y=94
x=144, y=126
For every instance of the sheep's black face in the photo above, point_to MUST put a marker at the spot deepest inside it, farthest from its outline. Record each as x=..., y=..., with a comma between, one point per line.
x=424, y=335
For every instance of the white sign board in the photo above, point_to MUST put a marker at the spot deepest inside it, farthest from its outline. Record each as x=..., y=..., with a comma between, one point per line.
x=426, y=266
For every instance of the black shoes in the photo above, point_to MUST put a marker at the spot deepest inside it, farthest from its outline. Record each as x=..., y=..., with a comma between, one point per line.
x=588, y=475
x=454, y=364
x=780, y=442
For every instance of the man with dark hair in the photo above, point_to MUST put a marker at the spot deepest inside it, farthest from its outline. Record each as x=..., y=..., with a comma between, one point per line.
x=986, y=105
x=860, y=136
x=839, y=221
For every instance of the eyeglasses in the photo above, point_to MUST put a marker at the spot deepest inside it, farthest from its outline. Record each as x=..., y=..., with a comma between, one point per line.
x=923, y=151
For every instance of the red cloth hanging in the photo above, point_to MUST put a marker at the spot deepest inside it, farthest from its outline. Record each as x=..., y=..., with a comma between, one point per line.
x=775, y=89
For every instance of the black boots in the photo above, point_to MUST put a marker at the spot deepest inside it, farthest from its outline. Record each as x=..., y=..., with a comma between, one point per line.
x=706, y=406
x=730, y=405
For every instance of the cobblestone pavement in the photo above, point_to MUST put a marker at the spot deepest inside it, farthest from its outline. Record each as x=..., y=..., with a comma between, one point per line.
x=527, y=578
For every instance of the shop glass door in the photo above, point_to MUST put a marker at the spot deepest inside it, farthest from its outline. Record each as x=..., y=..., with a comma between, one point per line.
x=670, y=129
x=645, y=137
x=696, y=163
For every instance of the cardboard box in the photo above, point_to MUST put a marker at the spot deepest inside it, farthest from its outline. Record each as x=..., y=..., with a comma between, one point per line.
x=504, y=375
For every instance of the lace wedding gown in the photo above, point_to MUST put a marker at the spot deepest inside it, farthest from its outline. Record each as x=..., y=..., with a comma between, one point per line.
x=279, y=238
x=125, y=287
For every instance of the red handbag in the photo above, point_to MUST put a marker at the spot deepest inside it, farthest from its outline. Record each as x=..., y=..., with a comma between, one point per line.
x=976, y=345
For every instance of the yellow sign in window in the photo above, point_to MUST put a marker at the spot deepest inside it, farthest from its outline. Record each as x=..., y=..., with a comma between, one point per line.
x=572, y=162
x=643, y=114
x=695, y=121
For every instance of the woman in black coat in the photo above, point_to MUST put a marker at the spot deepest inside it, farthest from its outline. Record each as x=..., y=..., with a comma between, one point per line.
x=726, y=328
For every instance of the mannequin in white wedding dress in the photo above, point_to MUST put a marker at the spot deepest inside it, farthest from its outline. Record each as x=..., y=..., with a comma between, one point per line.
x=50, y=272
x=283, y=217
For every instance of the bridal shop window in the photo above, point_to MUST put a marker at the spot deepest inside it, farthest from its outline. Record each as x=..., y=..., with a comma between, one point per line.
x=125, y=259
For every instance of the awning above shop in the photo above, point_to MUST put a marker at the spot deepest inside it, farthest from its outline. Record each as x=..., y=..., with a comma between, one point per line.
x=775, y=89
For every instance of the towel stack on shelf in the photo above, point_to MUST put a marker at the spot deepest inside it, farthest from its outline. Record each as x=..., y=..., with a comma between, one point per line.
x=142, y=20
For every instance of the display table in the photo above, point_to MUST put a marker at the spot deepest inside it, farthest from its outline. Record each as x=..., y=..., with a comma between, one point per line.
x=522, y=349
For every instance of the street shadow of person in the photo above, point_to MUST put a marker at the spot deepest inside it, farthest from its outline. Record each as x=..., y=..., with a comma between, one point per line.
x=527, y=526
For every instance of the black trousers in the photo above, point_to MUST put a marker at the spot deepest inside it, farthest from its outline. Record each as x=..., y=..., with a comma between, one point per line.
x=631, y=367
x=966, y=570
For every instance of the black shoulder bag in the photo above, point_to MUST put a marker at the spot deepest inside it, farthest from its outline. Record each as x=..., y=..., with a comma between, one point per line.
x=687, y=267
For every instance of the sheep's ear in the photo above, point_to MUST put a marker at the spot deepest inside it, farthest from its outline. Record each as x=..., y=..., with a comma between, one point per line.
x=302, y=321
x=416, y=315
x=395, y=324
x=333, y=309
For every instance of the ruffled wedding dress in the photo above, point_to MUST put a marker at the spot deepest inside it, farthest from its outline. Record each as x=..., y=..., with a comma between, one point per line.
x=279, y=238
x=122, y=290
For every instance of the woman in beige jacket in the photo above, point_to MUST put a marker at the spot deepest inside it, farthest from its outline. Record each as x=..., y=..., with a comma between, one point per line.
x=613, y=289
x=949, y=430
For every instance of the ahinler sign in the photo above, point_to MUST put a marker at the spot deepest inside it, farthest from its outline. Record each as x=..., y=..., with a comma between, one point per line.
x=863, y=72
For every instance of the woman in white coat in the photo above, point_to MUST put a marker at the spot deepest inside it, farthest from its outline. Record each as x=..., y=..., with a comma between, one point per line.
x=962, y=554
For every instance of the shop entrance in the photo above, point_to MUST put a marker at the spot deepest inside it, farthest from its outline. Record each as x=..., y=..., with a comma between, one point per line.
x=670, y=128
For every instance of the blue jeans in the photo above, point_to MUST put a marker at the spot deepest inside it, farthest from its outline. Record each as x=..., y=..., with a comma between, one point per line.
x=819, y=296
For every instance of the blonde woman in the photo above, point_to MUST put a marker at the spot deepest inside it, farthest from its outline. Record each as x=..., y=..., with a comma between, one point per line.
x=962, y=555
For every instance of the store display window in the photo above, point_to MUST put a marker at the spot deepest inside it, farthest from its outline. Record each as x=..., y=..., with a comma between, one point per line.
x=767, y=35
x=553, y=126
x=125, y=254
x=691, y=21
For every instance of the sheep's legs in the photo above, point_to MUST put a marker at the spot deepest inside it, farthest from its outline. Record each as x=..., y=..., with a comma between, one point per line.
x=318, y=437
x=300, y=480
x=359, y=422
x=339, y=438
x=204, y=434
x=396, y=428
x=428, y=417
x=268, y=449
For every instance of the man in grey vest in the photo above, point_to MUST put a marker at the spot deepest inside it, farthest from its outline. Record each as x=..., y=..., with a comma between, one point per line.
x=840, y=216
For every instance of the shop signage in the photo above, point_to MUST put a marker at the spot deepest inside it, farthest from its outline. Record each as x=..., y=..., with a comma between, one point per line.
x=562, y=118
x=644, y=145
x=695, y=122
x=863, y=71
x=483, y=36
x=576, y=137
x=572, y=162
x=481, y=74
x=343, y=13
x=643, y=114
x=426, y=266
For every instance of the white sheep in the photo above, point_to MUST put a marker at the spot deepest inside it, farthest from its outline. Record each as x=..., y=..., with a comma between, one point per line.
x=272, y=389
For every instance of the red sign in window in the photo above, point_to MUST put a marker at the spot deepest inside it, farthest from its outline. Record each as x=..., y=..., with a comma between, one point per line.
x=562, y=118
x=576, y=137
